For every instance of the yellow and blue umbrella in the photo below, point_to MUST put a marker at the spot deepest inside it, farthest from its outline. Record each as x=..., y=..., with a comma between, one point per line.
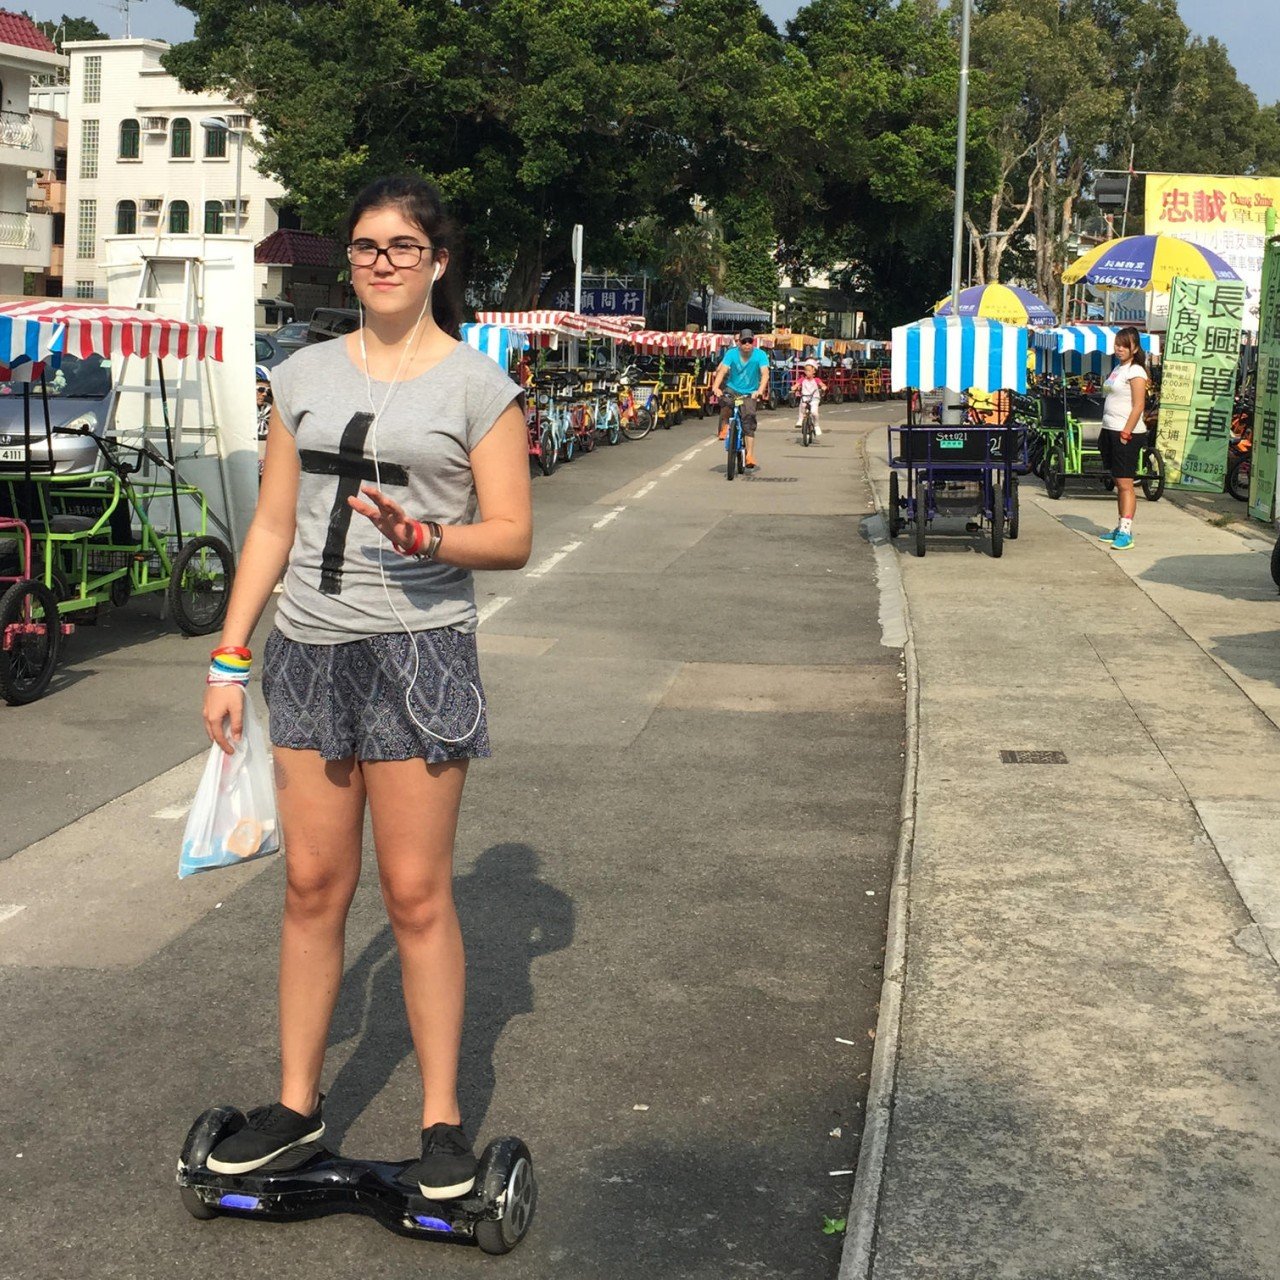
x=1147, y=263
x=1004, y=302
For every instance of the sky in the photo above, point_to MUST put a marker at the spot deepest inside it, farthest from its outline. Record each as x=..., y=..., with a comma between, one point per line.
x=1252, y=40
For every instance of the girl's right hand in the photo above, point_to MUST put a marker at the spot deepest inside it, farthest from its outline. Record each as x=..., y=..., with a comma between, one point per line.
x=224, y=715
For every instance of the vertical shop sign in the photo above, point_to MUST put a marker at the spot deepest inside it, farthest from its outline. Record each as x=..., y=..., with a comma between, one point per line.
x=1266, y=410
x=1197, y=389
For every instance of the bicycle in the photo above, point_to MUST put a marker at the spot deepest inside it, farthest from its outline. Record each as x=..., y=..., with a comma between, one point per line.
x=806, y=421
x=735, y=442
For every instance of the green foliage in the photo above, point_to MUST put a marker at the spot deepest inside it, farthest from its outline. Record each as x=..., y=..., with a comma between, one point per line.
x=832, y=1226
x=68, y=28
x=695, y=142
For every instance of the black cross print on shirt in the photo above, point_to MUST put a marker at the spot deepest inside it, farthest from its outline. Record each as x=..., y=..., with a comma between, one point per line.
x=351, y=467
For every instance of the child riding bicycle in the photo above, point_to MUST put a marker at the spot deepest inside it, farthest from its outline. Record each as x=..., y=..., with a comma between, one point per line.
x=808, y=389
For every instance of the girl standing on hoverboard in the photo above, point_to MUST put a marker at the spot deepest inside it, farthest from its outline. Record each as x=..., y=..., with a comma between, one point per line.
x=397, y=462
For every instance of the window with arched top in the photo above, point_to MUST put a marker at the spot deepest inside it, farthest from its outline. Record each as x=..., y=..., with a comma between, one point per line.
x=179, y=218
x=130, y=139
x=215, y=144
x=213, y=217
x=127, y=218
x=180, y=139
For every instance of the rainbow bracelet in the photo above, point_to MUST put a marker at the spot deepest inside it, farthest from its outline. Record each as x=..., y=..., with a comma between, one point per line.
x=229, y=668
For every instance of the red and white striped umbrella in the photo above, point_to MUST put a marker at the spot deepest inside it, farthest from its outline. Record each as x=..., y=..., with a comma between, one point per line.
x=95, y=329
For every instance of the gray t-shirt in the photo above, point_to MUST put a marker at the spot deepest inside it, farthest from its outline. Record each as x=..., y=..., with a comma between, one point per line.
x=333, y=589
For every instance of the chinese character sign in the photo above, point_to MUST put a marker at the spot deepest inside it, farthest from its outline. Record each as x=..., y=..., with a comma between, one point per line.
x=614, y=301
x=1227, y=215
x=1197, y=390
x=1262, y=466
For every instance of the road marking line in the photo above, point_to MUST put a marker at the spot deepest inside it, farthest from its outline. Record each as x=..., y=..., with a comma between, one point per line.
x=670, y=471
x=172, y=813
x=10, y=909
x=606, y=519
x=689, y=457
x=491, y=608
x=552, y=560
x=639, y=493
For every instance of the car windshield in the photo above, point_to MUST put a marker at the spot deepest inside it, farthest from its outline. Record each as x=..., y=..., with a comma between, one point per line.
x=292, y=332
x=80, y=379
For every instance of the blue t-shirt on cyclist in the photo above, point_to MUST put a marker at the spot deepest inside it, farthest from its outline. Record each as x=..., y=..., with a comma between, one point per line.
x=743, y=377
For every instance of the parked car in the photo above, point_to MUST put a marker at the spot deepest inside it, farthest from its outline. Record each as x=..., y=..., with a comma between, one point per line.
x=267, y=351
x=332, y=322
x=292, y=336
x=78, y=397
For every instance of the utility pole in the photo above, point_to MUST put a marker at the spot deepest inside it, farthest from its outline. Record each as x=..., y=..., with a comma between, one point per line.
x=951, y=399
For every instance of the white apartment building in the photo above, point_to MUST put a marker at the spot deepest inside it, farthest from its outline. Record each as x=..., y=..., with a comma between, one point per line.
x=141, y=160
x=26, y=144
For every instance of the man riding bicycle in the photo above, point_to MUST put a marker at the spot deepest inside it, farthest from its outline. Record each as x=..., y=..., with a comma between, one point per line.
x=745, y=370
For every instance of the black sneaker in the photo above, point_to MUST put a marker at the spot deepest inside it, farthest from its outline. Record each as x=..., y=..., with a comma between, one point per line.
x=448, y=1166
x=271, y=1132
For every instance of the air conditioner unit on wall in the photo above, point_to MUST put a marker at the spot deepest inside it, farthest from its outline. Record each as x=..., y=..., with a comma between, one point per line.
x=155, y=124
x=238, y=122
x=151, y=205
x=230, y=205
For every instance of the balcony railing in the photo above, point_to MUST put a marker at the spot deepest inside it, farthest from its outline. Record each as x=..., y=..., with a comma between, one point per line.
x=15, y=230
x=18, y=130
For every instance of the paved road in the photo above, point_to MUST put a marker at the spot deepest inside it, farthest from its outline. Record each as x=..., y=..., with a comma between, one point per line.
x=672, y=878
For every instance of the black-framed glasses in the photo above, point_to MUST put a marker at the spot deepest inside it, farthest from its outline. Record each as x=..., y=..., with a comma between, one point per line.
x=364, y=253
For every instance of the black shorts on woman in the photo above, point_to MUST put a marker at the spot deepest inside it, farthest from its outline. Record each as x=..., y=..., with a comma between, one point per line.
x=1121, y=458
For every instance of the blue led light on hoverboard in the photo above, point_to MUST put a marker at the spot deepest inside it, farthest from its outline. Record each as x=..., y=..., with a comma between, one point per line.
x=431, y=1224
x=233, y=1201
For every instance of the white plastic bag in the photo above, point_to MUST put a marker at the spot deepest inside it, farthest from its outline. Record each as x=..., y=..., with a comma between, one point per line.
x=233, y=817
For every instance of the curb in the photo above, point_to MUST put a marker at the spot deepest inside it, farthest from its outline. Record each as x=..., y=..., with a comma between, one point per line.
x=858, y=1256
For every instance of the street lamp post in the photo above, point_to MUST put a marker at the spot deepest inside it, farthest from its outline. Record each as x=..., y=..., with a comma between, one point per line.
x=219, y=124
x=951, y=399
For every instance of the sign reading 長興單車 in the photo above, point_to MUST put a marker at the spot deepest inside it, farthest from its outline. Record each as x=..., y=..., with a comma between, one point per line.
x=1227, y=215
x=1266, y=409
x=1197, y=389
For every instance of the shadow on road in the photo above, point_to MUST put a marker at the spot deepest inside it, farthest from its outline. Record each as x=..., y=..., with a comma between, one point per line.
x=1233, y=576
x=510, y=917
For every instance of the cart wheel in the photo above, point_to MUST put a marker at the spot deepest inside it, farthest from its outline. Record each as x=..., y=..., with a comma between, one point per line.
x=1153, y=481
x=614, y=431
x=547, y=452
x=28, y=656
x=895, y=515
x=1275, y=563
x=1055, y=471
x=638, y=427
x=121, y=590
x=679, y=417
x=921, y=506
x=506, y=1174
x=1013, y=508
x=997, y=520
x=200, y=586
x=1238, y=479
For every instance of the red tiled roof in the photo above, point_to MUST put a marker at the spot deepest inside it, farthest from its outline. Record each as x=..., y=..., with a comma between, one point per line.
x=297, y=249
x=20, y=30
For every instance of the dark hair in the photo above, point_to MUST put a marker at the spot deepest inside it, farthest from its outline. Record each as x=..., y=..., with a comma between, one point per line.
x=1130, y=335
x=420, y=203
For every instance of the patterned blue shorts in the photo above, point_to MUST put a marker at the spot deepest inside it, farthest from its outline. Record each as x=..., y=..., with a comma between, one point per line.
x=349, y=699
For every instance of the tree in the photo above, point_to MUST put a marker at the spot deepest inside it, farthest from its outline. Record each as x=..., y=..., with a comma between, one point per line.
x=68, y=29
x=751, y=241
x=531, y=115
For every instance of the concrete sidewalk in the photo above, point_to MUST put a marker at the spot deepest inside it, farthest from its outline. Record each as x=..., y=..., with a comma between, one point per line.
x=1087, y=1071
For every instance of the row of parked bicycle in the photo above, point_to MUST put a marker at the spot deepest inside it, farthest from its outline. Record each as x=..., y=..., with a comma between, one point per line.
x=570, y=411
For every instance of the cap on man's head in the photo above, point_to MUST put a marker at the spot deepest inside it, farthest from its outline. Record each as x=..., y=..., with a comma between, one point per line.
x=745, y=335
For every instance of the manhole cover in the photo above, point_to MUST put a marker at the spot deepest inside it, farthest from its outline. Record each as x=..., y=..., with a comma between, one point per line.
x=773, y=479
x=1033, y=757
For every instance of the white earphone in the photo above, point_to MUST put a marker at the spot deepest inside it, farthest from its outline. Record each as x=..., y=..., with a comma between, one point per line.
x=377, y=474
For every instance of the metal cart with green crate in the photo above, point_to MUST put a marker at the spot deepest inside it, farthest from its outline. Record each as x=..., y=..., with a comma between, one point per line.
x=1068, y=410
x=76, y=507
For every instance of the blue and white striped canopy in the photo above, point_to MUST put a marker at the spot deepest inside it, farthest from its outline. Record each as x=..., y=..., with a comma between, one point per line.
x=959, y=353
x=495, y=341
x=27, y=344
x=1083, y=348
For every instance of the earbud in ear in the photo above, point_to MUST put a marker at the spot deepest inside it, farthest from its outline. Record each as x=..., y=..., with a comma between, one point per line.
x=436, y=274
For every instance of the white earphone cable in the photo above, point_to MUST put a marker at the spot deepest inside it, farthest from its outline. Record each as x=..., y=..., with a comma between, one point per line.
x=377, y=474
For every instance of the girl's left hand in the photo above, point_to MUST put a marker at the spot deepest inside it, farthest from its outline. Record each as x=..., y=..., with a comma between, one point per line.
x=385, y=515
